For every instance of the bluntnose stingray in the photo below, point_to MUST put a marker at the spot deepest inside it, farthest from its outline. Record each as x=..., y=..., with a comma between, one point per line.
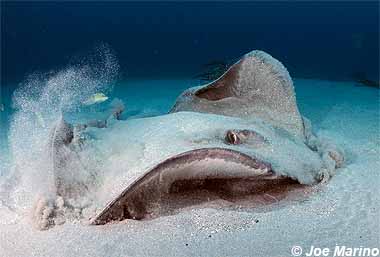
x=245, y=126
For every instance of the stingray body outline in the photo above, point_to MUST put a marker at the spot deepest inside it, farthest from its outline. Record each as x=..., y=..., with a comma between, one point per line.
x=246, y=124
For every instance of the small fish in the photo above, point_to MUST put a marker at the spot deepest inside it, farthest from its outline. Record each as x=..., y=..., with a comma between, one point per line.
x=215, y=63
x=1, y=107
x=95, y=99
x=213, y=70
x=362, y=80
x=369, y=83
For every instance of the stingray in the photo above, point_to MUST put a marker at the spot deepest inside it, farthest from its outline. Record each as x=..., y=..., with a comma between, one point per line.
x=241, y=134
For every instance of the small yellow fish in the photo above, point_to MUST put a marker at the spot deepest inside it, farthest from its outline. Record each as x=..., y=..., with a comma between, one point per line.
x=95, y=99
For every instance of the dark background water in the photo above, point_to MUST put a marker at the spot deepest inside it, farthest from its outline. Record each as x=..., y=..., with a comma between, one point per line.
x=327, y=40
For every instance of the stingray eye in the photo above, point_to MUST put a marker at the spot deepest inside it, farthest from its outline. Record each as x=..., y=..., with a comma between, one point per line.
x=232, y=138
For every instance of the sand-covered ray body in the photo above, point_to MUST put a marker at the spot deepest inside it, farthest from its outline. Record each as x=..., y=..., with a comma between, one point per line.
x=245, y=125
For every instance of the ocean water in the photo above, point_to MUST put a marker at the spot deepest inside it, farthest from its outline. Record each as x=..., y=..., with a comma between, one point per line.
x=55, y=56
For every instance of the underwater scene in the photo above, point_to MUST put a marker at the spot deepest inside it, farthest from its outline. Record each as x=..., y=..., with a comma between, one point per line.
x=197, y=128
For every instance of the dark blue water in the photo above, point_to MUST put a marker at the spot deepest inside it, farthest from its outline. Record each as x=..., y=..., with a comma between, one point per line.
x=322, y=39
x=150, y=52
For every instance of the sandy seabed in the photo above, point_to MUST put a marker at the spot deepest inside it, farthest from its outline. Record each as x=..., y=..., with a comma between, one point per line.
x=345, y=211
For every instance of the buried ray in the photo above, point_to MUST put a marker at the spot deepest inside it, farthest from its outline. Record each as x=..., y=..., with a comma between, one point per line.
x=239, y=135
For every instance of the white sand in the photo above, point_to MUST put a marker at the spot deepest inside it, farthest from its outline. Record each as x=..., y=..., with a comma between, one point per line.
x=346, y=211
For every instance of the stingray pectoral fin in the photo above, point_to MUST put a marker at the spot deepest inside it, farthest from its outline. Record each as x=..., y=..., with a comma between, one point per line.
x=144, y=195
x=223, y=87
x=61, y=136
x=256, y=86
